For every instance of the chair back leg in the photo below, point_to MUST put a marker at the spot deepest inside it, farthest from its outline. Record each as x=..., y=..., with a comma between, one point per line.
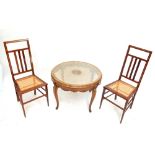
x=35, y=92
x=132, y=101
x=115, y=97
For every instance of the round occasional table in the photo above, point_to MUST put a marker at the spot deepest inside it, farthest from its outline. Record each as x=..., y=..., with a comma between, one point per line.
x=76, y=76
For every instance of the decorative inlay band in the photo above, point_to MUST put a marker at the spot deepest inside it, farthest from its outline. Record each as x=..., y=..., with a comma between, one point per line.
x=76, y=71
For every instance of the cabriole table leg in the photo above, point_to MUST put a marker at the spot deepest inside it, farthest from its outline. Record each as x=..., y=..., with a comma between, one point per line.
x=92, y=98
x=55, y=91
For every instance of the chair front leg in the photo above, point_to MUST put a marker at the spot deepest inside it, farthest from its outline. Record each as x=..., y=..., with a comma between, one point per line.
x=124, y=110
x=17, y=95
x=22, y=103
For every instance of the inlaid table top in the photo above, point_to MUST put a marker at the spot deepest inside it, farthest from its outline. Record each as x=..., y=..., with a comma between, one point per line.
x=76, y=74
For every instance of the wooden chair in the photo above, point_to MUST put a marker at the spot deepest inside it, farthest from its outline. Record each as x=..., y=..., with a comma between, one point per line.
x=20, y=62
x=126, y=87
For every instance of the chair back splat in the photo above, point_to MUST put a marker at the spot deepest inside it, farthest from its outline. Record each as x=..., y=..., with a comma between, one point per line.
x=135, y=63
x=19, y=56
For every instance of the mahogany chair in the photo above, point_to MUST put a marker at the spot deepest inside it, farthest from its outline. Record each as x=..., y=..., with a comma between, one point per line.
x=21, y=66
x=126, y=87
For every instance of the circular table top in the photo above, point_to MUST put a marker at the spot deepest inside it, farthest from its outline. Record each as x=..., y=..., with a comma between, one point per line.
x=76, y=74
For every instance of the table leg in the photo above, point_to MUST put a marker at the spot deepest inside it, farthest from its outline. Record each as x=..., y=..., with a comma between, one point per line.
x=92, y=98
x=55, y=91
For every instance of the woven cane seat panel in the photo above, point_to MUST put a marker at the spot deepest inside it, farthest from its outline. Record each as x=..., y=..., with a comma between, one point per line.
x=29, y=82
x=121, y=88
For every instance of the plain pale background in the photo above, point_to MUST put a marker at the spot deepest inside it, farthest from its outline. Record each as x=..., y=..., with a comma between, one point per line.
x=94, y=31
